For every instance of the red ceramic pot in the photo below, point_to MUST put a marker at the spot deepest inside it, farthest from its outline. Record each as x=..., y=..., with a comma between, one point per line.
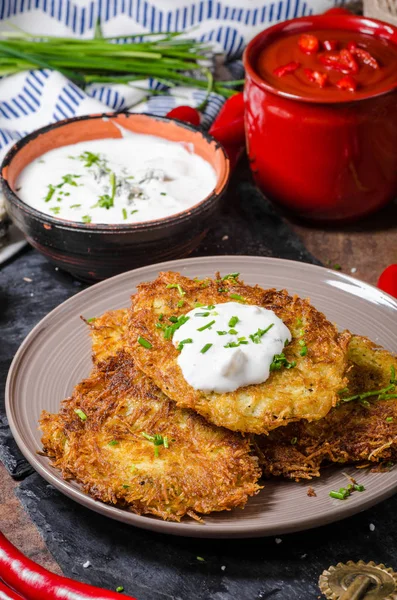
x=328, y=160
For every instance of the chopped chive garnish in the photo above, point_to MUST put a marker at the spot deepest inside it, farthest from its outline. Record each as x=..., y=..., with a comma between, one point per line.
x=198, y=305
x=230, y=276
x=180, y=303
x=86, y=219
x=337, y=267
x=173, y=319
x=55, y=210
x=200, y=558
x=183, y=342
x=211, y=306
x=358, y=487
x=81, y=414
x=176, y=286
x=232, y=345
x=50, y=193
x=294, y=440
x=75, y=205
x=337, y=495
x=256, y=337
x=125, y=486
x=233, y=332
x=161, y=316
x=237, y=297
x=125, y=216
x=163, y=193
x=221, y=332
x=113, y=443
x=204, y=314
x=221, y=290
x=144, y=343
x=205, y=348
x=383, y=394
x=120, y=587
x=299, y=321
x=91, y=320
x=389, y=419
x=233, y=321
x=158, y=440
x=207, y=326
x=279, y=361
x=170, y=330
x=303, y=351
x=134, y=211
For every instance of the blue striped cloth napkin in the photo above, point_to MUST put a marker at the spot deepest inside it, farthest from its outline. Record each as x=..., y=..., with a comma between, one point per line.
x=33, y=99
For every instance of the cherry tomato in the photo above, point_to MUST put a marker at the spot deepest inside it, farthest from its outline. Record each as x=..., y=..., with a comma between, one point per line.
x=188, y=114
x=388, y=280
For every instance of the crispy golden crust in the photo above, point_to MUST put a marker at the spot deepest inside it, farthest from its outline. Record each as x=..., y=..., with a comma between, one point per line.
x=107, y=335
x=307, y=391
x=204, y=469
x=351, y=433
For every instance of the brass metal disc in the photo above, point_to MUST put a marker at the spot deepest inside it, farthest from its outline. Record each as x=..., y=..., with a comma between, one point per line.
x=335, y=581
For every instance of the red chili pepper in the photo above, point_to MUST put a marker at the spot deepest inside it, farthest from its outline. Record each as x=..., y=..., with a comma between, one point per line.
x=188, y=114
x=231, y=110
x=316, y=77
x=330, y=44
x=309, y=44
x=366, y=57
x=228, y=127
x=36, y=583
x=347, y=83
x=388, y=280
x=347, y=58
x=286, y=69
x=7, y=593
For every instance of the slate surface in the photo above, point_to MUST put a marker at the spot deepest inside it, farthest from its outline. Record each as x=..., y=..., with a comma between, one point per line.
x=154, y=566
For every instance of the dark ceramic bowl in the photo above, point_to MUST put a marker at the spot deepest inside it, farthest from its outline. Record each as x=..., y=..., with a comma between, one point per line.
x=93, y=251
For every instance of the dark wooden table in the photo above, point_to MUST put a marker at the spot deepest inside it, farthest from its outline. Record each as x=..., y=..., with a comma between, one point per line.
x=362, y=250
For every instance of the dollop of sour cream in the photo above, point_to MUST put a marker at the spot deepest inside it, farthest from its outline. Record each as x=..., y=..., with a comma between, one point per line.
x=117, y=180
x=227, y=346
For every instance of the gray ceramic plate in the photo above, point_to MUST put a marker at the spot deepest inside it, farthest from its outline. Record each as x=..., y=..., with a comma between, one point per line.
x=56, y=355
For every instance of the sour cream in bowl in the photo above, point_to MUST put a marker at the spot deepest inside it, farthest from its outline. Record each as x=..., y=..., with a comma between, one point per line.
x=106, y=193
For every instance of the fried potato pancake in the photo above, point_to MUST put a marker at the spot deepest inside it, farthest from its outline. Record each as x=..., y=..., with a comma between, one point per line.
x=307, y=391
x=108, y=335
x=354, y=432
x=128, y=445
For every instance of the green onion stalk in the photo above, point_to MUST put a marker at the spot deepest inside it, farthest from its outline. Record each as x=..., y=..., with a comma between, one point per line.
x=167, y=58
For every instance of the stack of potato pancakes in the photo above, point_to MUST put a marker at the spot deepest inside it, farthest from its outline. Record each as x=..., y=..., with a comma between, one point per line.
x=135, y=434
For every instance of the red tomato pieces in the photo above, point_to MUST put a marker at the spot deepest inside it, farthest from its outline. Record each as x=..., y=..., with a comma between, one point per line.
x=388, y=280
x=286, y=69
x=347, y=83
x=351, y=46
x=333, y=61
x=309, y=44
x=316, y=77
x=330, y=44
x=347, y=58
x=366, y=57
